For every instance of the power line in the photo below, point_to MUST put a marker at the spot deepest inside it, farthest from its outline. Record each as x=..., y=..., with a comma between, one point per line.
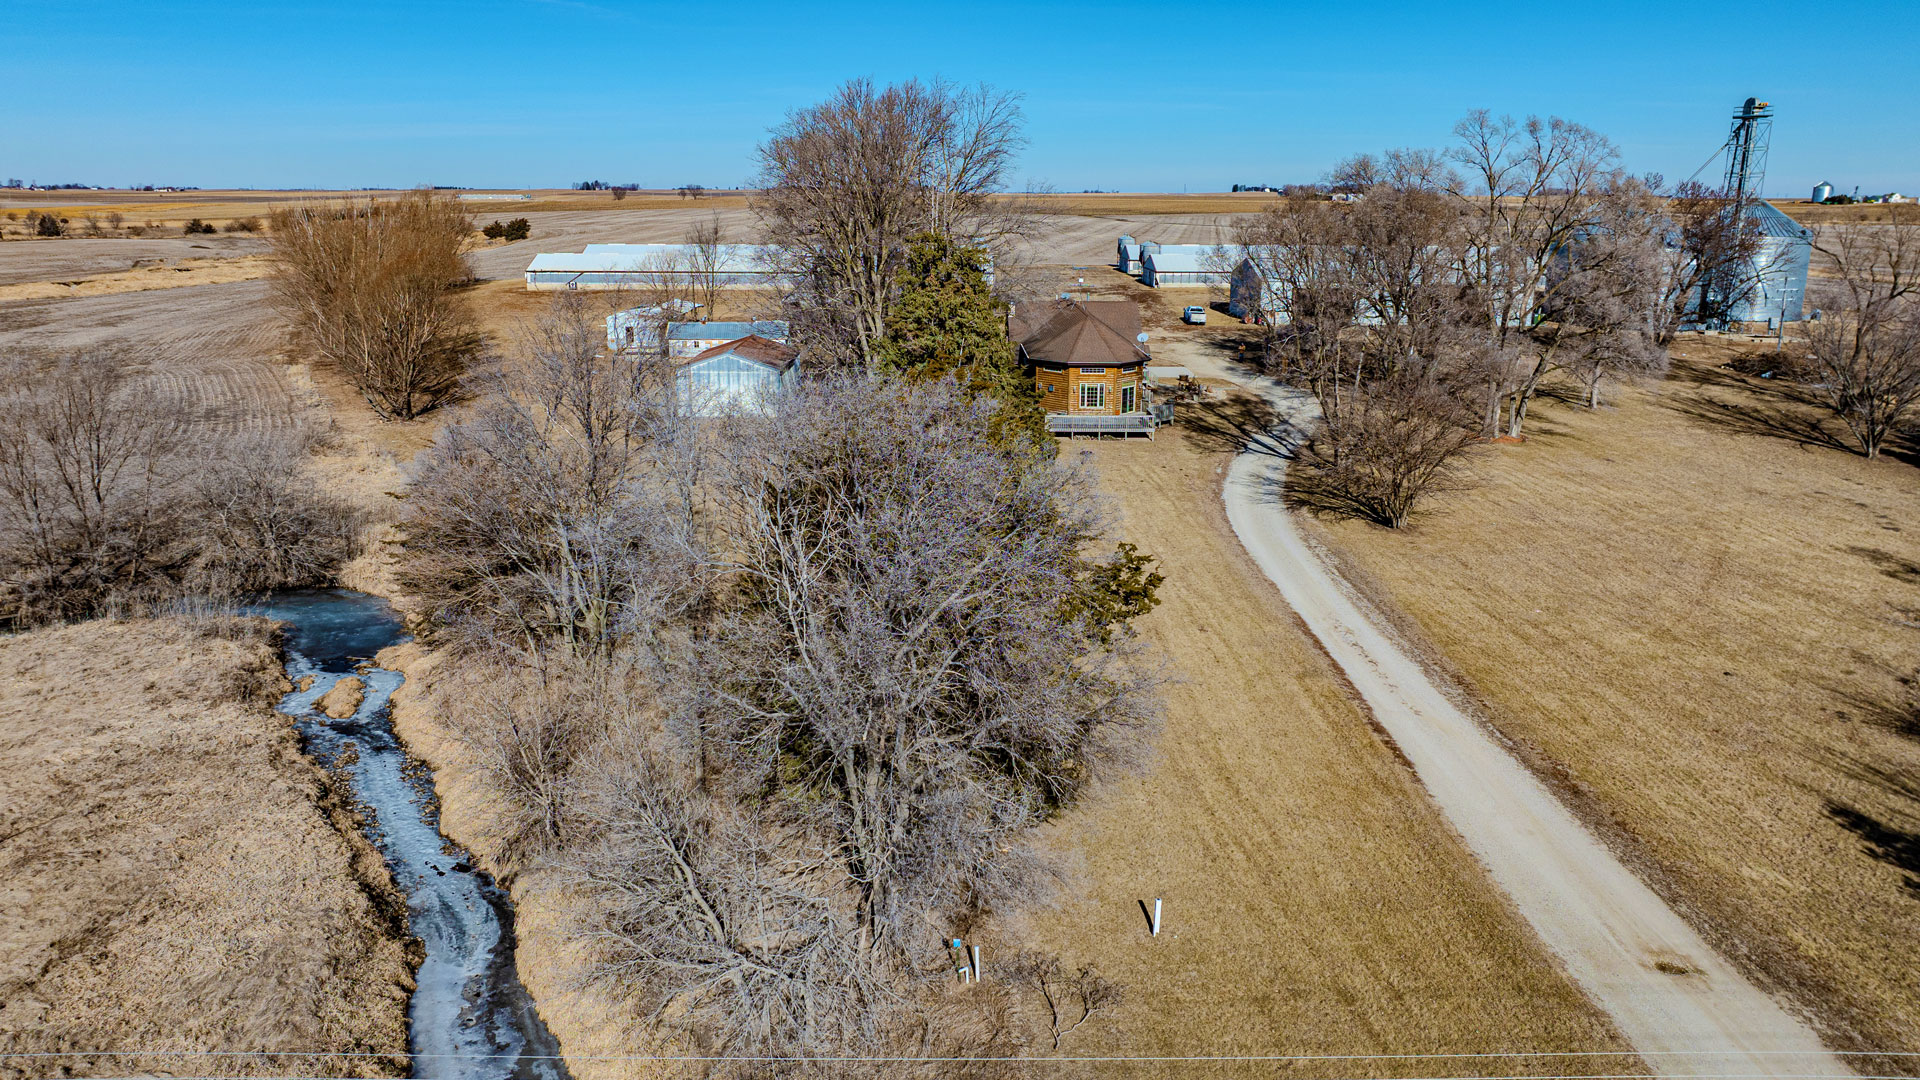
x=1097, y=1059
x=1104, y=1058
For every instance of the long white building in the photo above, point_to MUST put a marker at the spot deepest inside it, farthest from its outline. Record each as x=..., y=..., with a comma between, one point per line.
x=655, y=266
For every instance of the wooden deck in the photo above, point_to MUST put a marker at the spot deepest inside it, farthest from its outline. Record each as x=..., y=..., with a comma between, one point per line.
x=1126, y=425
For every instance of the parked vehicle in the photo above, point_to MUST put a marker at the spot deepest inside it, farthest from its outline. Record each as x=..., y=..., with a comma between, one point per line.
x=1195, y=315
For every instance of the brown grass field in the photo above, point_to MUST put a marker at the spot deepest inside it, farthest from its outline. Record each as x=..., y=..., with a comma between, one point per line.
x=174, y=874
x=1698, y=617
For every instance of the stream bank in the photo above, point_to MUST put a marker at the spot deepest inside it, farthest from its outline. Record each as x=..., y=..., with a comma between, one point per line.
x=470, y=1017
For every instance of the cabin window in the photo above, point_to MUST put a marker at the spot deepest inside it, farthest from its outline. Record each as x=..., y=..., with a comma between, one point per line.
x=1093, y=371
x=1093, y=396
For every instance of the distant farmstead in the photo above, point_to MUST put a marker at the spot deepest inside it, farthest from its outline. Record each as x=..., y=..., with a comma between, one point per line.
x=604, y=267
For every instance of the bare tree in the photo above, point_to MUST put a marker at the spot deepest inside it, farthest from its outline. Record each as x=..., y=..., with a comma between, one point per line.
x=1529, y=189
x=847, y=183
x=721, y=929
x=1607, y=306
x=85, y=460
x=1066, y=993
x=106, y=503
x=258, y=522
x=905, y=657
x=1395, y=443
x=368, y=287
x=705, y=258
x=1863, y=363
x=553, y=513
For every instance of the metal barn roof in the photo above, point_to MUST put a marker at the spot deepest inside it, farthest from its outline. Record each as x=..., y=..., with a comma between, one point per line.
x=726, y=331
x=606, y=258
x=1199, y=261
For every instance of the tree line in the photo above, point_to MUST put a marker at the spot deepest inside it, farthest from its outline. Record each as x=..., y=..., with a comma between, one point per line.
x=1431, y=312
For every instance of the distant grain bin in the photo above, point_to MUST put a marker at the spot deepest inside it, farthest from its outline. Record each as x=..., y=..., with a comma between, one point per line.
x=1822, y=191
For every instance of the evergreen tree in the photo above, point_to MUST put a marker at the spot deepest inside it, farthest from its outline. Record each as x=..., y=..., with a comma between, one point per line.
x=946, y=322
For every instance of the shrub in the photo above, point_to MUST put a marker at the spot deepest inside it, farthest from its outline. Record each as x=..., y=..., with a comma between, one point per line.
x=517, y=229
x=196, y=227
x=245, y=225
x=369, y=287
x=161, y=517
x=47, y=225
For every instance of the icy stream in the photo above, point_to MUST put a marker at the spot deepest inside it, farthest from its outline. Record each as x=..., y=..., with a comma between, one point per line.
x=470, y=1018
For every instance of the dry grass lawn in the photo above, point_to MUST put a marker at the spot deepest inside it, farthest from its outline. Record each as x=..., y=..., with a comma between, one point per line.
x=1700, y=620
x=174, y=874
x=1316, y=902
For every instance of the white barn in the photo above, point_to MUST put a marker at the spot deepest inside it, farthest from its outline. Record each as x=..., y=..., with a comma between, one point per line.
x=673, y=266
x=1175, y=265
x=736, y=376
x=1252, y=298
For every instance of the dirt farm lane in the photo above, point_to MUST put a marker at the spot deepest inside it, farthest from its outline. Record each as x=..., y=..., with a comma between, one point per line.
x=1674, y=998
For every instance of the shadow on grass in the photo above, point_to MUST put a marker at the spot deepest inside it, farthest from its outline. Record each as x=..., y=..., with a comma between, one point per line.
x=1897, y=567
x=1239, y=424
x=1891, y=835
x=1769, y=408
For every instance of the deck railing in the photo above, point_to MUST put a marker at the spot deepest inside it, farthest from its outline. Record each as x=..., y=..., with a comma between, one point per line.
x=1124, y=425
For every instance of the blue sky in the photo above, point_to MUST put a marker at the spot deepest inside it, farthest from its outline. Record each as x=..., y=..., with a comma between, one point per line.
x=1119, y=95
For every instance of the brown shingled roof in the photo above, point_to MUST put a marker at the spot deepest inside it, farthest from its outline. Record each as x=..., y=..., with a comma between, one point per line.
x=1081, y=333
x=752, y=347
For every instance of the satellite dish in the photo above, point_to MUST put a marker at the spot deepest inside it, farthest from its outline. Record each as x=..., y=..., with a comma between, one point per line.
x=1142, y=338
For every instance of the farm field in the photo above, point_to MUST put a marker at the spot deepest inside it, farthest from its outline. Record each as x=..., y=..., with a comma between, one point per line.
x=174, y=874
x=1695, y=618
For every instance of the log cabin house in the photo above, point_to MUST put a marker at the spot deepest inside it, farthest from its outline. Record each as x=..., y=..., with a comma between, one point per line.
x=1088, y=359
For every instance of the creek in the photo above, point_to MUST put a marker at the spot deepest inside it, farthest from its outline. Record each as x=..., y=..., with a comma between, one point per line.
x=470, y=1018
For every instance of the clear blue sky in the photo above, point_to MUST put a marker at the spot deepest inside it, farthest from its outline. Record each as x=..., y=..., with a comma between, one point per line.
x=1135, y=96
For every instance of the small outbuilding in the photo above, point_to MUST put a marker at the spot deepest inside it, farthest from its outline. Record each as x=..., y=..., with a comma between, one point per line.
x=639, y=329
x=736, y=376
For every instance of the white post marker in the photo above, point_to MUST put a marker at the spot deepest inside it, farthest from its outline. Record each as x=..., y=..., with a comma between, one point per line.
x=1156, y=916
x=976, y=963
